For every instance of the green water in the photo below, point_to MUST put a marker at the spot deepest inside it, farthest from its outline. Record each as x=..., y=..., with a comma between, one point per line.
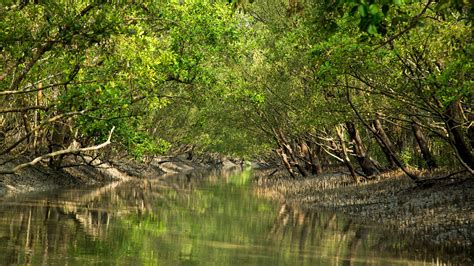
x=207, y=219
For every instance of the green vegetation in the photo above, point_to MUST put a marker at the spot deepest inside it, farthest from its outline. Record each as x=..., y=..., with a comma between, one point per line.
x=373, y=85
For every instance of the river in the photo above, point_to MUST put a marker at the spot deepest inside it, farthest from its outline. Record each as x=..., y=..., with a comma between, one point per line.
x=199, y=219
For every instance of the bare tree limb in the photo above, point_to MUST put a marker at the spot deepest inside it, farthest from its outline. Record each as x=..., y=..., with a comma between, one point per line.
x=57, y=153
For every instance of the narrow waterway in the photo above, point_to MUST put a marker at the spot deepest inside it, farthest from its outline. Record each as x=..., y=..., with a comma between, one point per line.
x=199, y=219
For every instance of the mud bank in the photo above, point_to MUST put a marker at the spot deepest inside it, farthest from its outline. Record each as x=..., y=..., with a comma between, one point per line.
x=41, y=177
x=441, y=215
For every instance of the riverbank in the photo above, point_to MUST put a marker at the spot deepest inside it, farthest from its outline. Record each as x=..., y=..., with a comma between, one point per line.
x=89, y=171
x=41, y=177
x=441, y=214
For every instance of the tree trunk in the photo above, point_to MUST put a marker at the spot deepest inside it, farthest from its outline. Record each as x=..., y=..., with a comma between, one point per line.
x=345, y=155
x=385, y=148
x=314, y=151
x=470, y=130
x=422, y=143
x=60, y=139
x=37, y=117
x=382, y=139
x=386, y=144
x=281, y=152
x=286, y=163
x=368, y=167
x=294, y=161
x=304, y=153
x=454, y=127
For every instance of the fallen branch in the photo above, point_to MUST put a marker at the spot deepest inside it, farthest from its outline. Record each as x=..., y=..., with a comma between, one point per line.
x=57, y=153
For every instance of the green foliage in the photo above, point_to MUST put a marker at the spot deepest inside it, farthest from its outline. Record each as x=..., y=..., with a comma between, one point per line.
x=116, y=65
x=225, y=78
x=386, y=16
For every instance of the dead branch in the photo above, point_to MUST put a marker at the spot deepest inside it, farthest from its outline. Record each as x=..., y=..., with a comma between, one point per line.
x=57, y=153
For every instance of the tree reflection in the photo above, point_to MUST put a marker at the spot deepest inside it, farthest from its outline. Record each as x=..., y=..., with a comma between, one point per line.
x=181, y=219
x=338, y=238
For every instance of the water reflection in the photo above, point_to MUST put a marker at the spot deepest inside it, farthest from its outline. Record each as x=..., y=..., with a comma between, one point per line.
x=204, y=218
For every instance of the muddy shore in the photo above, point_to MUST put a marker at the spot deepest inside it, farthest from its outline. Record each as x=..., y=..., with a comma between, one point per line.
x=41, y=177
x=441, y=215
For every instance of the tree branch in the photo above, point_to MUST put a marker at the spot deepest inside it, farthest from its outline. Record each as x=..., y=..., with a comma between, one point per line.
x=57, y=153
x=376, y=135
x=412, y=24
x=38, y=127
x=24, y=109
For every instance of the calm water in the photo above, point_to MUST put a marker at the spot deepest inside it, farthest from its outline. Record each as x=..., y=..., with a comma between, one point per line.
x=188, y=220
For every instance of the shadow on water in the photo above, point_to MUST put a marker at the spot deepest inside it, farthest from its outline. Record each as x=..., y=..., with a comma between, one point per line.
x=195, y=219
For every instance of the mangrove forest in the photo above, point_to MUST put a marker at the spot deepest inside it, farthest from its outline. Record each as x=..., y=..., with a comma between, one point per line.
x=246, y=132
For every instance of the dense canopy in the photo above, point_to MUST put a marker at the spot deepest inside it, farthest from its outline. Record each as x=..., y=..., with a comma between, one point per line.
x=372, y=85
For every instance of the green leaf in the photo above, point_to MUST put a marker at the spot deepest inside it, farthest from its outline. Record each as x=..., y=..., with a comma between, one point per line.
x=362, y=10
x=372, y=29
x=374, y=9
x=398, y=2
